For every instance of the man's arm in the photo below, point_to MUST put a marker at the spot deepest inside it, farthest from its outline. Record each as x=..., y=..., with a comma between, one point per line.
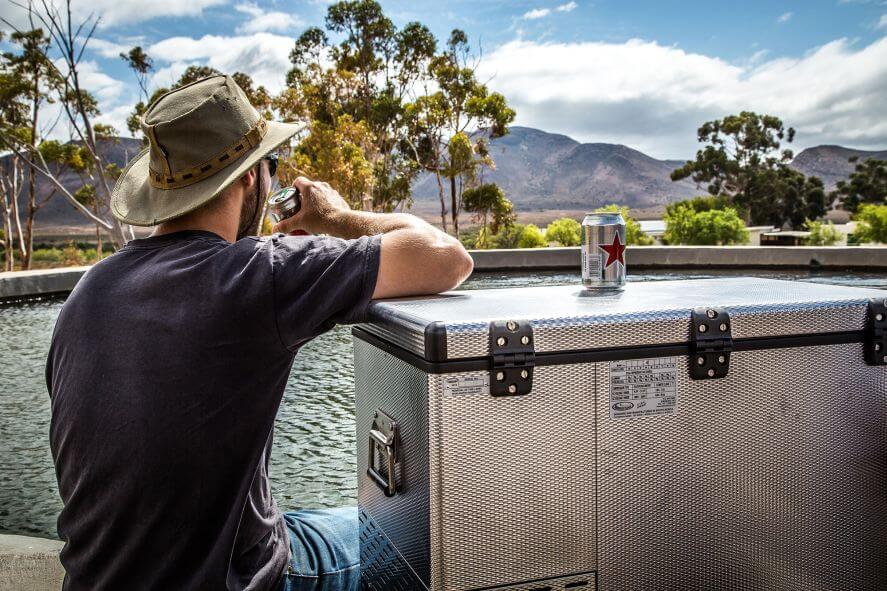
x=416, y=257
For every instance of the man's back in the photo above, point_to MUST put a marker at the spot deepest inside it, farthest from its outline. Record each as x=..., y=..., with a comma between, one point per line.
x=166, y=370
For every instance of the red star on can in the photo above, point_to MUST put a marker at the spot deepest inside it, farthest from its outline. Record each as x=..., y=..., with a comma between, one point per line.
x=614, y=251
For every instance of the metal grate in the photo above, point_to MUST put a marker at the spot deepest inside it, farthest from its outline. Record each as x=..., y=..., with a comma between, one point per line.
x=382, y=568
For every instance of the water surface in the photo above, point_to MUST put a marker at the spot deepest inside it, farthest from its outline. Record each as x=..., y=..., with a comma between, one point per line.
x=313, y=463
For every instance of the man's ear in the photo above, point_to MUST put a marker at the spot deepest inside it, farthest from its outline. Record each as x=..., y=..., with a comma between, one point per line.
x=248, y=179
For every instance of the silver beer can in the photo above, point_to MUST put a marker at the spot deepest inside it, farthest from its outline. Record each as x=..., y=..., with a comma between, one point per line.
x=603, y=251
x=284, y=204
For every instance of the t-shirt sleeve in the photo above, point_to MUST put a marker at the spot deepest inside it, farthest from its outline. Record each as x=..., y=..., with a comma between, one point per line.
x=322, y=281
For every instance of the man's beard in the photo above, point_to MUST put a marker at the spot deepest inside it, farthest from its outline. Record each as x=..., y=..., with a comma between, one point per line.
x=251, y=210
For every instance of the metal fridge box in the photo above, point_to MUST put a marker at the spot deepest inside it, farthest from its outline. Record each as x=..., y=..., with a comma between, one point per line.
x=706, y=434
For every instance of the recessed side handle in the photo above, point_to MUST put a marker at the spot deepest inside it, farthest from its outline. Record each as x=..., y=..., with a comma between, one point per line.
x=383, y=441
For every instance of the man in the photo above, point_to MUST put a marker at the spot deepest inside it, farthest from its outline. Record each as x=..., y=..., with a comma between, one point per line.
x=169, y=359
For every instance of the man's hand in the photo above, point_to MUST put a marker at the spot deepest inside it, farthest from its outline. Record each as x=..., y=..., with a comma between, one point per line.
x=320, y=204
x=416, y=257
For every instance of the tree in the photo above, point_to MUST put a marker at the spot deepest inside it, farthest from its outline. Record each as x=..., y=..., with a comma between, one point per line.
x=461, y=104
x=872, y=226
x=141, y=65
x=370, y=76
x=488, y=201
x=532, y=237
x=867, y=184
x=633, y=233
x=744, y=162
x=564, y=231
x=822, y=234
x=685, y=225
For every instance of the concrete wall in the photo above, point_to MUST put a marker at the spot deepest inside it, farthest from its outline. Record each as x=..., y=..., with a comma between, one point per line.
x=21, y=284
x=647, y=257
x=30, y=564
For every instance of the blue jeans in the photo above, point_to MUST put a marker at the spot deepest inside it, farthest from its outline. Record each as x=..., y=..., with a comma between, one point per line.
x=325, y=550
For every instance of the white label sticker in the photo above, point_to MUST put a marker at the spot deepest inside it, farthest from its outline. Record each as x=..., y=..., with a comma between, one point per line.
x=643, y=387
x=466, y=385
x=591, y=265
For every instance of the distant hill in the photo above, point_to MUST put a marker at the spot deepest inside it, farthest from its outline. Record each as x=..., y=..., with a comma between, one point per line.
x=59, y=212
x=830, y=162
x=541, y=170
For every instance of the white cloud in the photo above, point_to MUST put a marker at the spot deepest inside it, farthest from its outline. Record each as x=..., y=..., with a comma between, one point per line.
x=120, y=12
x=784, y=17
x=264, y=56
x=260, y=20
x=107, y=48
x=536, y=13
x=654, y=97
x=882, y=22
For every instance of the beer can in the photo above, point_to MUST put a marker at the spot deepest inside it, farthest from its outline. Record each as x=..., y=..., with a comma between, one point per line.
x=284, y=204
x=603, y=251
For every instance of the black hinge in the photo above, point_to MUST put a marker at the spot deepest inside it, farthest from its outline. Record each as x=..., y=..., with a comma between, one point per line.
x=513, y=357
x=711, y=343
x=876, y=332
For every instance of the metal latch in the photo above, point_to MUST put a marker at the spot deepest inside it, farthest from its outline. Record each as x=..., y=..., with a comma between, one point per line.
x=710, y=344
x=876, y=332
x=514, y=355
x=383, y=441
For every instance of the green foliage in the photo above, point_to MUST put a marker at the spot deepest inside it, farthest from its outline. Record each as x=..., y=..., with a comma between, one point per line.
x=531, y=237
x=633, y=233
x=685, y=225
x=822, y=234
x=867, y=185
x=86, y=195
x=744, y=162
x=564, y=231
x=872, y=226
x=488, y=201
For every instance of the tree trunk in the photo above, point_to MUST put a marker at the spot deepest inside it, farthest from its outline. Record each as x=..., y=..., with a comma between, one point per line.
x=455, y=211
x=98, y=234
x=32, y=189
x=443, y=202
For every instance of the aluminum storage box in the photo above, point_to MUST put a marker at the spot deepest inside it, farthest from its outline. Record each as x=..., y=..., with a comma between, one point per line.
x=707, y=434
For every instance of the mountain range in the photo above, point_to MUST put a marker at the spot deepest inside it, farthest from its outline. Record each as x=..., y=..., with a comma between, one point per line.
x=540, y=171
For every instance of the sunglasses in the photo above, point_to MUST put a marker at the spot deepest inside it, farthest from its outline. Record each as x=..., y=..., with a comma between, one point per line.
x=272, y=163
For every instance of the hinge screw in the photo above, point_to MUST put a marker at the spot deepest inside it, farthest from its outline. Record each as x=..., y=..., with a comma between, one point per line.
x=723, y=327
x=884, y=359
x=511, y=325
x=501, y=341
x=500, y=376
x=879, y=317
x=512, y=388
x=524, y=374
x=703, y=327
x=877, y=346
x=722, y=359
x=700, y=361
x=711, y=373
x=711, y=314
x=525, y=340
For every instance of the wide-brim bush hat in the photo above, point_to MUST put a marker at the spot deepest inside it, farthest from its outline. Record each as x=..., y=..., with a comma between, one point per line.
x=201, y=138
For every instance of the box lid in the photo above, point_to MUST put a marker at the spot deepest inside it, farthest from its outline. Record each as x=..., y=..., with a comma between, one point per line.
x=455, y=325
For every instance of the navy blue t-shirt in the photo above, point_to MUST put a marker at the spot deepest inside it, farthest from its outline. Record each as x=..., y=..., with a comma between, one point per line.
x=166, y=370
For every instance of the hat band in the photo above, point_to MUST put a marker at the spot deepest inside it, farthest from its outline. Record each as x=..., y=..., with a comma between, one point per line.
x=227, y=157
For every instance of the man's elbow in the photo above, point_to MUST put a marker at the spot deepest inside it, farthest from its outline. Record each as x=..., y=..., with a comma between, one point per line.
x=459, y=268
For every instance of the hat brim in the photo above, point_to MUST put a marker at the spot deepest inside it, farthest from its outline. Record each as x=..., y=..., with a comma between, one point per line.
x=136, y=202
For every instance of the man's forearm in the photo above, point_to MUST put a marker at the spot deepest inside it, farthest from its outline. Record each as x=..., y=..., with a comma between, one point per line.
x=354, y=224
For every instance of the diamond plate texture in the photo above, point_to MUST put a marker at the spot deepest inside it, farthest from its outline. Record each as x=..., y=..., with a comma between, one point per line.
x=513, y=481
x=399, y=389
x=581, y=582
x=382, y=568
x=774, y=477
x=646, y=313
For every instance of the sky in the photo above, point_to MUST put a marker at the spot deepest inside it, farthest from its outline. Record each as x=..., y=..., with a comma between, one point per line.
x=643, y=73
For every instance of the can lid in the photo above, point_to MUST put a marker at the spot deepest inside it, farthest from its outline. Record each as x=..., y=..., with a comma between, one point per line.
x=605, y=216
x=281, y=195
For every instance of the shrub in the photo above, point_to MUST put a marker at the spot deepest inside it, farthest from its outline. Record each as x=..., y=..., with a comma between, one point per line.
x=633, y=233
x=47, y=255
x=822, y=234
x=564, y=231
x=685, y=225
x=532, y=237
x=872, y=223
x=72, y=256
